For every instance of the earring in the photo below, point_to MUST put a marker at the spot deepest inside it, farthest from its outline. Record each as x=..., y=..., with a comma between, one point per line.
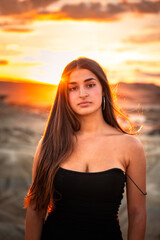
x=104, y=102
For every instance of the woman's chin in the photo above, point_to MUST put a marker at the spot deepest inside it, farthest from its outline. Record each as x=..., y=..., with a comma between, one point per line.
x=84, y=112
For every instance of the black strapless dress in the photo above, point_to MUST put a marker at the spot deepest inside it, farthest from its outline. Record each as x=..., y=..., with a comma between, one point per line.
x=87, y=207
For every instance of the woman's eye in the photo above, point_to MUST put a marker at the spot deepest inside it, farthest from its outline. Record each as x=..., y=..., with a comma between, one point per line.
x=91, y=85
x=72, y=89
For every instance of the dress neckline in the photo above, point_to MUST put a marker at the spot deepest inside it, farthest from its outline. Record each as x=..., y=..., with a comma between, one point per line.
x=91, y=173
x=115, y=169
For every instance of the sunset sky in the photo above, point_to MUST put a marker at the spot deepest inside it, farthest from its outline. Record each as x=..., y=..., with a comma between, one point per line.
x=39, y=37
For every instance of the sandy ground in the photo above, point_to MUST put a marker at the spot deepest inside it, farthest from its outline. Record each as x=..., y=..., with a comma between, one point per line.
x=20, y=131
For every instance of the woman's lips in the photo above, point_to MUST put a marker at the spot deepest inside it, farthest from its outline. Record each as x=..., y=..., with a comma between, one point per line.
x=84, y=103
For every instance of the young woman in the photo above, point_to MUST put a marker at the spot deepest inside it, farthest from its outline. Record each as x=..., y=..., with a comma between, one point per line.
x=83, y=162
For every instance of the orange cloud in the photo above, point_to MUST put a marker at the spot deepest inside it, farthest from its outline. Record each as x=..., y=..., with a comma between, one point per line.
x=149, y=34
x=142, y=63
x=26, y=64
x=3, y=62
x=16, y=29
x=145, y=38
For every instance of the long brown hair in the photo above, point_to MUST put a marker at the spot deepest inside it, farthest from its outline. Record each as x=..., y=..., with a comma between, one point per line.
x=62, y=125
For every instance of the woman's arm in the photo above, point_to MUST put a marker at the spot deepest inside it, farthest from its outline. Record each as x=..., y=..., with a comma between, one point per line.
x=33, y=224
x=34, y=219
x=136, y=200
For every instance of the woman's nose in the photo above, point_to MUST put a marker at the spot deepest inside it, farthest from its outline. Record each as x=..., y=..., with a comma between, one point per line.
x=82, y=92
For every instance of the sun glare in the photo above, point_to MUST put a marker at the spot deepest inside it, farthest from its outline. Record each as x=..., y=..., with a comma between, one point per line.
x=46, y=74
x=53, y=64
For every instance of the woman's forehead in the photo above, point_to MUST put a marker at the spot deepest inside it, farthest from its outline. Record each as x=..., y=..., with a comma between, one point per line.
x=81, y=75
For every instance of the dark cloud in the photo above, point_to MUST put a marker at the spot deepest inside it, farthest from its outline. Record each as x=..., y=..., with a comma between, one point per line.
x=9, y=7
x=13, y=7
x=118, y=8
x=3, y=62
x=109, y=11
x=145, y=7
x=83, y=10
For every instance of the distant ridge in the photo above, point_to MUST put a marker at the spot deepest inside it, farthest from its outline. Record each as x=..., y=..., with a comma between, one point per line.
x=40, y=94
x=136, y=84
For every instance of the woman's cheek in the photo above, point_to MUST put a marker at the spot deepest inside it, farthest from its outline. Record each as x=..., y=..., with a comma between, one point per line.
x=96, y=93
x=72, y=99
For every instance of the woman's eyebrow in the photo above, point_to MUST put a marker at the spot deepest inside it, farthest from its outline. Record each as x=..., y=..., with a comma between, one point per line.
x=86, y=80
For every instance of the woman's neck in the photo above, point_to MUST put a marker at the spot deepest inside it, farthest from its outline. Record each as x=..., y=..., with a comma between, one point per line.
x=93, y=125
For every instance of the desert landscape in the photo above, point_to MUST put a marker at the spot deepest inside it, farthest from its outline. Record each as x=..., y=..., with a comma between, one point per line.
x=21, y=126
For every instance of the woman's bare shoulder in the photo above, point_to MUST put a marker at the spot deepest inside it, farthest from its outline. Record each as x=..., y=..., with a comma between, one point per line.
x=130, y=145
x=132, y=140
x=134, y=149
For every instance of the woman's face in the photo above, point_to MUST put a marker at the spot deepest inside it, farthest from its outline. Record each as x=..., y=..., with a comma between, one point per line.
x=84, y=92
